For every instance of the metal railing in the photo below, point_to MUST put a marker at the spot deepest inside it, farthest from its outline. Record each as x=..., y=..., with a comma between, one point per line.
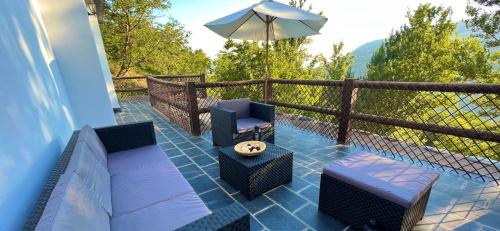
x=130, y=87
x=450, y=126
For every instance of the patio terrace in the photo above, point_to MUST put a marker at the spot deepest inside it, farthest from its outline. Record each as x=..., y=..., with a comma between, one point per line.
x=456, y=203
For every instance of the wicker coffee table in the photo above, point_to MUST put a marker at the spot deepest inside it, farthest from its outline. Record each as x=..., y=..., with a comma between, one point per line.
x=256, y=175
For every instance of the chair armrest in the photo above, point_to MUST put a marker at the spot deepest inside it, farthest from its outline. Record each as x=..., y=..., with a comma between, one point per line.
x=223, y=119
x=262, y=111
x=231, y=217
x=127, y=136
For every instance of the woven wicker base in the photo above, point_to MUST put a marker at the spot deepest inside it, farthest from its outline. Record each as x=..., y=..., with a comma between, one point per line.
x=253, y=176
x=354, y=206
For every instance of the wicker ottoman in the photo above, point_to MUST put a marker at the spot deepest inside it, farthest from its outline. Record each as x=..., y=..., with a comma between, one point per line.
x=364, y=187
x=253, y=176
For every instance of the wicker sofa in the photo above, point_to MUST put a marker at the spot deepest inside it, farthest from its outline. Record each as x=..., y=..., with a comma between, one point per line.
x=235, y=120
x=117, y=178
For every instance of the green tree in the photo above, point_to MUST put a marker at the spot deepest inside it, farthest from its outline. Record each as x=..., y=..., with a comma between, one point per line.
x=485, y=19
x=339, y=64
x=135, y=41
x=427, y=50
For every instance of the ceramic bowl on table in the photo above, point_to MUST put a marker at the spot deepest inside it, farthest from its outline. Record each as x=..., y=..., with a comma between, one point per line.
x=250, y=148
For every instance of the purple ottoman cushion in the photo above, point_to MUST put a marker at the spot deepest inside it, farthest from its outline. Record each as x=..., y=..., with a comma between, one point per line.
x=240, y=106
x=392, y=180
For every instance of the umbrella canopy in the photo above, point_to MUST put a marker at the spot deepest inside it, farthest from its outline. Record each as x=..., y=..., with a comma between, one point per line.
x=268, y=20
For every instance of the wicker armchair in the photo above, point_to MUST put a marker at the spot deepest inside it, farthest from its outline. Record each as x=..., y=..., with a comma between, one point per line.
x=239, y=120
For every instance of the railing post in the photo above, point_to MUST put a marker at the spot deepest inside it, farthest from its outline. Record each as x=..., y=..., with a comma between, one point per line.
x=192, y=107
x=203, y=91
x=268, y=91
x=349, y=95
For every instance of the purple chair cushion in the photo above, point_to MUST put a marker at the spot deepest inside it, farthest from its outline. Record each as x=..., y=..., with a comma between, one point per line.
x=165, y=215
x=240, y=106
x=392, y=180
x=249, y=124
x=133, y=159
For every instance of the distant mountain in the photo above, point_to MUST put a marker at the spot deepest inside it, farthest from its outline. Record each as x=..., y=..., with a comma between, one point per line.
x=364, y=53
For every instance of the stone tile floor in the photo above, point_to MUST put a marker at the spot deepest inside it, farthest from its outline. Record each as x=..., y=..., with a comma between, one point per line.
x=456, y=203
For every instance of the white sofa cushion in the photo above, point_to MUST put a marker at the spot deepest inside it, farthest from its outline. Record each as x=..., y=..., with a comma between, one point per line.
x=133, y=159
x=72, y=207
x=95, y=176
x=163, y=216
x=88, y=136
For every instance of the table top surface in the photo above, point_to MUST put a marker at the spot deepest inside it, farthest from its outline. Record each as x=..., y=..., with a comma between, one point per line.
x=272, y=152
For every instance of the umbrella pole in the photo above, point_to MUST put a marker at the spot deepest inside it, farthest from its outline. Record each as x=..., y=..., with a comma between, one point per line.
x=266, y=81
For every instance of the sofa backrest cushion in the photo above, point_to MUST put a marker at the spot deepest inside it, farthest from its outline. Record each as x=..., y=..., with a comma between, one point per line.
x=240, y=106
x=88, y=136
x=95, y=176
x=72, y=207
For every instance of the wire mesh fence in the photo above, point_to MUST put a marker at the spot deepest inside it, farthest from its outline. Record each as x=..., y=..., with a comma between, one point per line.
x=309, y=105
x=170, y=99
x=452, y=126
x=449, y=126
x=135, y=87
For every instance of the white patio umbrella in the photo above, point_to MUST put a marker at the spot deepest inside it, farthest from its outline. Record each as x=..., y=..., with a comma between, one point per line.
x=268, y=21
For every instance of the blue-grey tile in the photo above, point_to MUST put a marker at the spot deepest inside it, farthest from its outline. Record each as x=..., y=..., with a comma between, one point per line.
x=257, y=204
x=185, y=145
x=173, y=152
x=286, y=198
x=216, y=199
x=181, y=161
x=473, y=225
x=300, y=171
x=178, y=140
x=202, y=183
x=192, y=152
x=255, y=225
x=318, y=220
x=313, y=177
x=275, y=218
x=166, y=145
x=212, y=170
x=489, y=219
x=297, y=184
x=203, y=160
x=191, y=170
x=226, y=186
x=311, y=193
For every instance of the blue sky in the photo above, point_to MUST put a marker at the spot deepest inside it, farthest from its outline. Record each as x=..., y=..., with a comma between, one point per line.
x=355, y=22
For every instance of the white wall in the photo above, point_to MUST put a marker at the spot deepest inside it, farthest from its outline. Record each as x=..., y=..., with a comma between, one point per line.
x=73, y=42
x=103, y=61
x=36, y=118
x=52, y=82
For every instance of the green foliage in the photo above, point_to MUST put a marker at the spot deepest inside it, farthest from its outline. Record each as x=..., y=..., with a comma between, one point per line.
x=485, y=19
x=339, y=65
x=135, y=42
x=428, y=50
